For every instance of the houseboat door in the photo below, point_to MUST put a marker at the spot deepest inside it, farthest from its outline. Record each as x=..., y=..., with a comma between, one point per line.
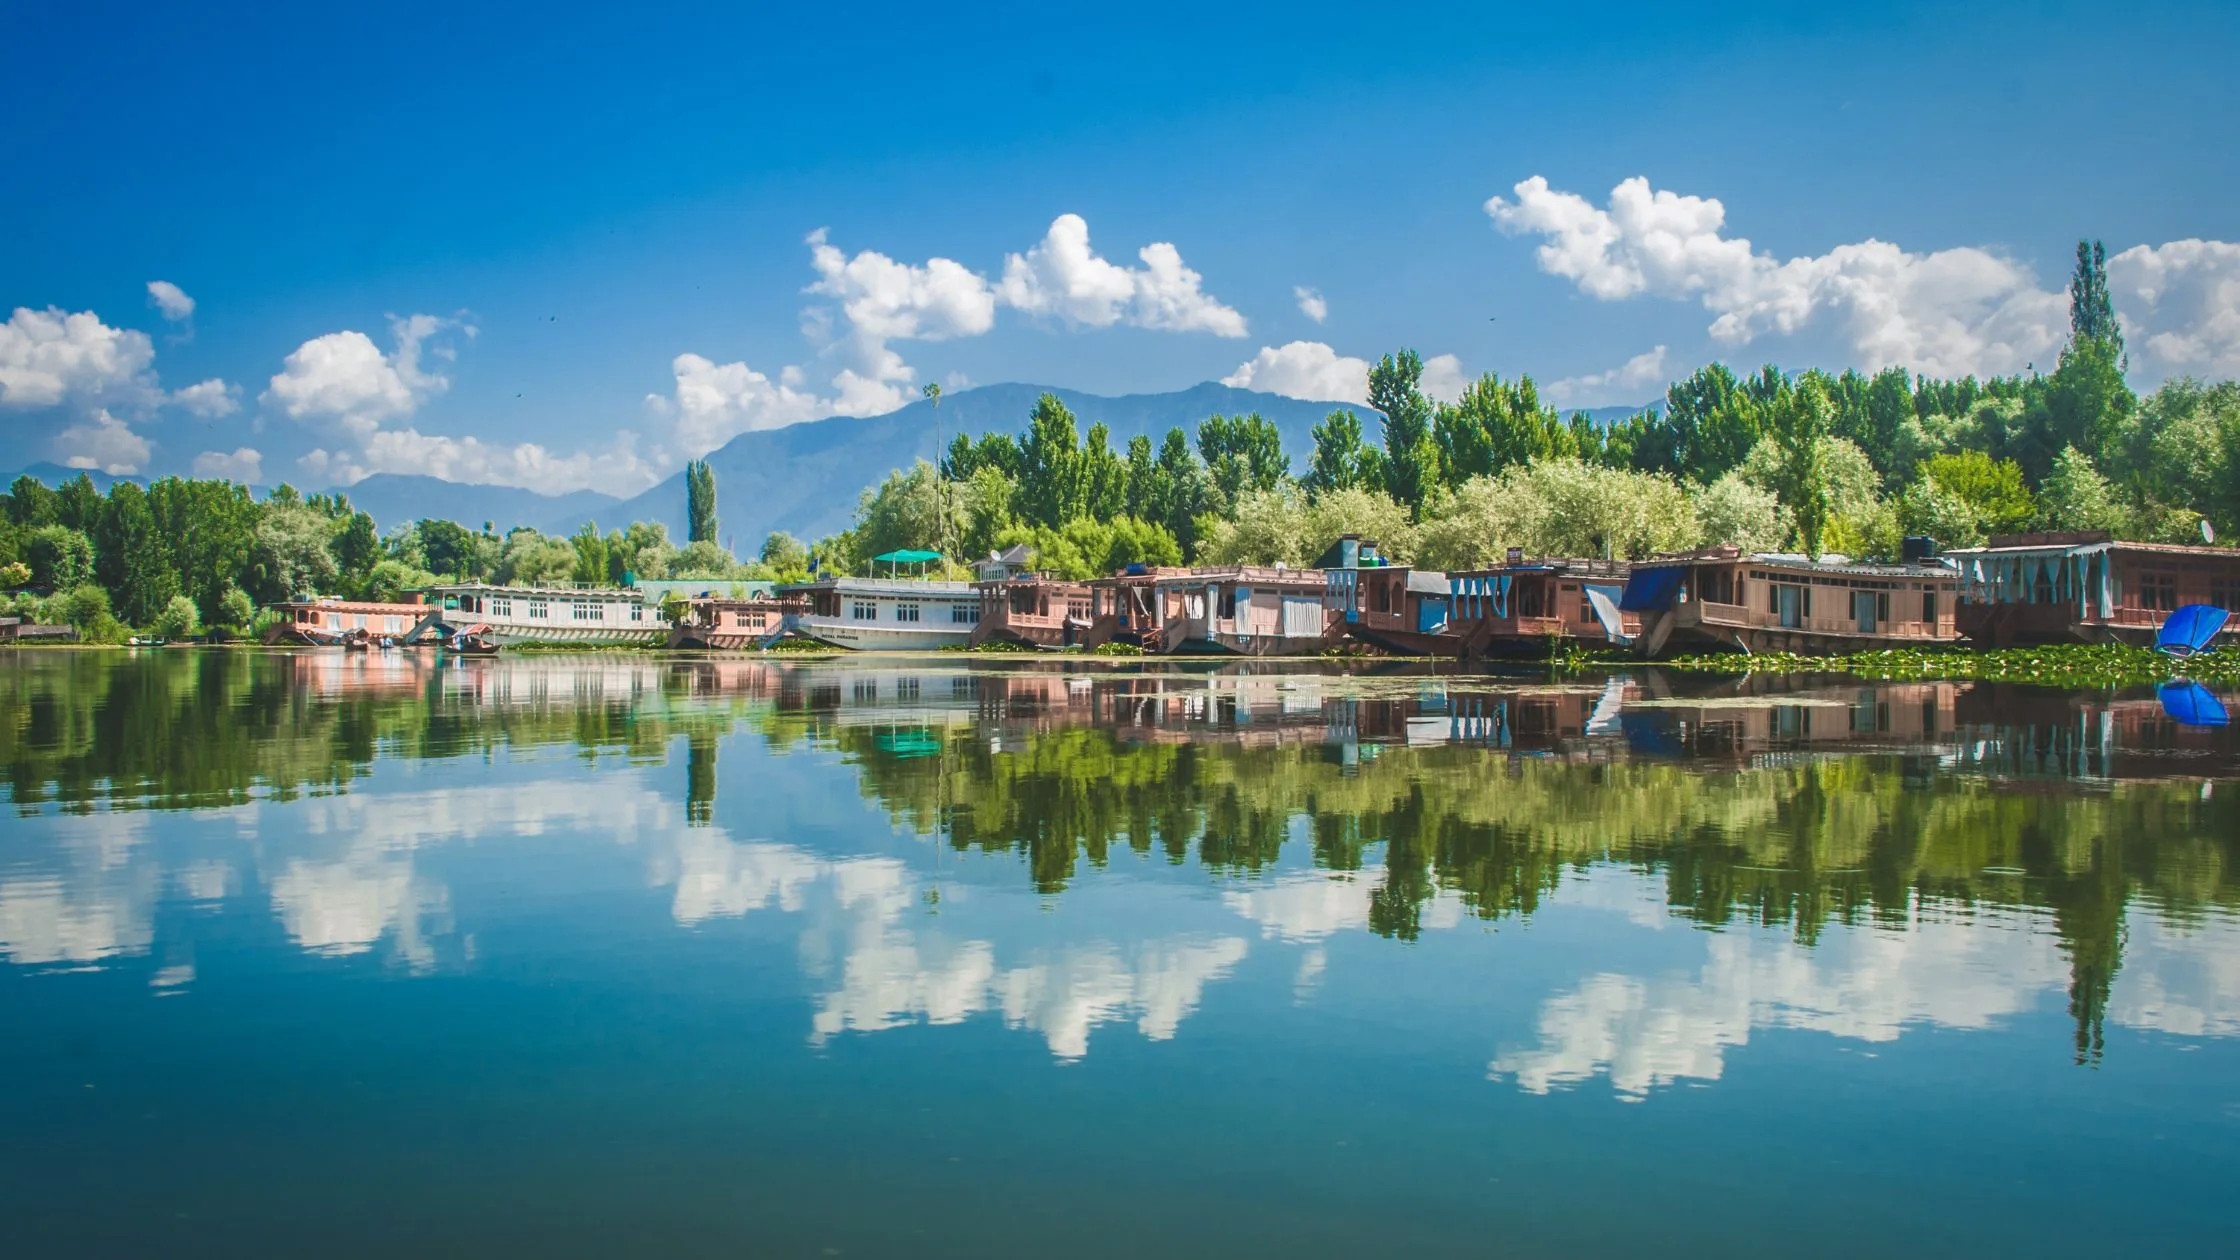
x=1788, y=601
x=1862, y=606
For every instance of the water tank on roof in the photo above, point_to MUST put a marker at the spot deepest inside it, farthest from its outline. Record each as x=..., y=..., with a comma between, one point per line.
x=1918, y=549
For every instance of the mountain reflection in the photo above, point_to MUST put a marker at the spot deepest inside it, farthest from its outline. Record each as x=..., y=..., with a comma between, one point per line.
x=1864, y=857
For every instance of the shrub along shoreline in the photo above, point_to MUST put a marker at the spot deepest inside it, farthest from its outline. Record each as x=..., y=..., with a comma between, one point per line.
x=2076, y=666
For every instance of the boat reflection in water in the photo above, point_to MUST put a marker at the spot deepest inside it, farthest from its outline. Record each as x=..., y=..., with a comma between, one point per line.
x=1419, y=900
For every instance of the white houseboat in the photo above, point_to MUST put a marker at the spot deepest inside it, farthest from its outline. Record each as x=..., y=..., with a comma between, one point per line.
x=885, y=614
x=543, y=614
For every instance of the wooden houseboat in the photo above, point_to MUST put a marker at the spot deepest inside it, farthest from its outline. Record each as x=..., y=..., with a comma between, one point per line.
x=731, y=623
x=1396, y=607
x=1523, y=608
x=1246, y=610
x=1720, y=599
x=333, y=622
x=1037, y=611
x=540, y=614
x=2085, y=587
x=884, y=614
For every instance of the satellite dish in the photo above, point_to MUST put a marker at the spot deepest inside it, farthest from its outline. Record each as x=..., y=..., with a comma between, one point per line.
x=2208, y=532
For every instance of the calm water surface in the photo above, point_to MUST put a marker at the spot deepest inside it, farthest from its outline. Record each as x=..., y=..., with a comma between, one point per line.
x=600, y=955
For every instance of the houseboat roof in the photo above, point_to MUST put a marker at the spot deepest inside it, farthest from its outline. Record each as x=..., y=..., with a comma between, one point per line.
x=332, y=604
x=901, y=587
x=570, y=591
x=740, y=588
x=1830, y=564
x=2085, y=542
x=1248, y=573
x=1616, y=569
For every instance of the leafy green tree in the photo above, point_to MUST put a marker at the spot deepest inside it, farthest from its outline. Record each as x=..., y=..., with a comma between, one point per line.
x=60, y=557
x=1052, y=482
x=2092, y=312
x=131, y=559
x=591, y=555
x=356, y=546
x=706, y=559
x=78, y=505
x=235, y=609
x=1241, y=453
x=784, y=555
x=31, y=504
x=1735, y=511
x=2076, y=496
x=1497, y=424
x=1993, y=488
x=86, y=606
x=992, y=450
x=1104, y=475
x=700, y=501
x=210, y=528
x=532, y=558
x=905, y=513
x=290, y=556
x=178, y=619
x=14, y=575
x=1342, y=460
x=1411, y=458
x=1180, y=493
x=1803, y=475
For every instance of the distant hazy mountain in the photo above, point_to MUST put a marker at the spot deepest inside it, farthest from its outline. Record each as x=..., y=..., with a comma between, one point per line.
x=55, y=474
x=395, y=498
x=804, y=479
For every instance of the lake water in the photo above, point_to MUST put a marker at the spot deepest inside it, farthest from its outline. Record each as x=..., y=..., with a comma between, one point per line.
x=337, y=955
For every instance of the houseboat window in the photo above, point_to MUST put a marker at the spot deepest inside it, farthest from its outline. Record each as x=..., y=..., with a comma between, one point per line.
x=536, y=608
x=866, y=689
x=907, y=688
x=637, y=612
x=2156, y=590
x=501, y=608
x=962, y=614
x=905, y=612
x=1228, y=602
x=1022, y=601
x=1929, y=608
x=862, y=610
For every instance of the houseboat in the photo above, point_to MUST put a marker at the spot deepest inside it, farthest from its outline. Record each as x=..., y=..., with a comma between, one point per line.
x=1037, y=611
x=2086, y=587
x=729, y=623
x=1523, y=608
x=333, y=622
x=1720, y=599
x=512, y=615
x=1245, y=610
x=884, y=614
x=1396, y=607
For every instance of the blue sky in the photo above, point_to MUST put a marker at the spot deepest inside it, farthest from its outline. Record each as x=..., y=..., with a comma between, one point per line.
x=479, y=245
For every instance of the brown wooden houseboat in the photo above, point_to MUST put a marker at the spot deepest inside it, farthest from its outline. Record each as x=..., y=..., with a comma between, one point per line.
x=1245, y=610
x=1038, y=611
x=1720, y=599
x=727, y=623
x=2085, y=587
x=332, y=622
x=1524, y=607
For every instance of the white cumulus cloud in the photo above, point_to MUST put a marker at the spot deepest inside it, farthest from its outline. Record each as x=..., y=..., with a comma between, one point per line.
x=1635, y=374
x=619, y=469
x=715, y=402
x=209, y=399
x=104, y=442
x=1311, y=303
x=1950, y=312
x=171, y=300
x=244, y=464
x=1304, y=369
x=885, y=298
x=49, y=358
x=1063, y=277
x=1443, y=378
x=2180, y=303
x=344, y=377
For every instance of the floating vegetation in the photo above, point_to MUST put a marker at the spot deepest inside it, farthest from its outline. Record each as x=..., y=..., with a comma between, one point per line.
x=2073, y=665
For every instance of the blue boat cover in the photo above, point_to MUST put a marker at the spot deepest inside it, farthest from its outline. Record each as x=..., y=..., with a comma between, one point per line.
x=1652, y=590
x=2188, y=630
x=2193, y=704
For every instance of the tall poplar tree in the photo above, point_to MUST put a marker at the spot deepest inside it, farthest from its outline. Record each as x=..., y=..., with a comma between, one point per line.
x=1411, y=460
x=699, y=502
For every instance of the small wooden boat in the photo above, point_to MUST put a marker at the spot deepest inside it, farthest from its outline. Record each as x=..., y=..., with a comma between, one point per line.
x=474, y=641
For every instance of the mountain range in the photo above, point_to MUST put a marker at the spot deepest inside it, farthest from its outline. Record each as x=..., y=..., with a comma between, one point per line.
x=805, y=478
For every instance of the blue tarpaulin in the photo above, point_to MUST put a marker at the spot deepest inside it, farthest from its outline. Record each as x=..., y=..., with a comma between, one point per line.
x=1652, y=590
x=2193, y=704
x=2188, y=630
